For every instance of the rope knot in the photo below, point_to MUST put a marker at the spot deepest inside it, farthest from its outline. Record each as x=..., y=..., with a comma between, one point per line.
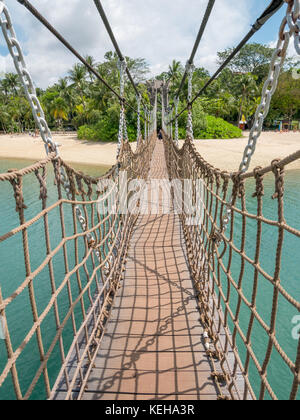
x=18, y=192
x=216, y=237
x=43, y=186
x=220, y=377
x=238, y=185
x=259, y=191
x=279, y=179
x=78, y=177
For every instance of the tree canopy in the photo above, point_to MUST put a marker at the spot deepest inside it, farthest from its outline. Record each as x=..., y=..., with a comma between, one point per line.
x=79, y=101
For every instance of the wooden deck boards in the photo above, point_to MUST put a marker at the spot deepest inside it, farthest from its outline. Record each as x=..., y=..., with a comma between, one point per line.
x=153, y=346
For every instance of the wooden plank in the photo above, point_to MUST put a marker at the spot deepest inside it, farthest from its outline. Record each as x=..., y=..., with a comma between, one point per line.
x=153, y=348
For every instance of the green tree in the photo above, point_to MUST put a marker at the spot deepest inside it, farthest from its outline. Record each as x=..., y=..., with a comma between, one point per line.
x=286, y=100
x=59, y=111
x=253, y=58
x=246, y=92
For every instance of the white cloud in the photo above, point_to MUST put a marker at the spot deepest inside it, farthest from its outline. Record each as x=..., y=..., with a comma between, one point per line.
x=157, y=30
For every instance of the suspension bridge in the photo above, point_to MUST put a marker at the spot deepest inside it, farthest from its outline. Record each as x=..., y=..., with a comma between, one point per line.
x=150, y=302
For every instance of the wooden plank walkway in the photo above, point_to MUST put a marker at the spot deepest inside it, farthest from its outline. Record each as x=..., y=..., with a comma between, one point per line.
x=153, y=346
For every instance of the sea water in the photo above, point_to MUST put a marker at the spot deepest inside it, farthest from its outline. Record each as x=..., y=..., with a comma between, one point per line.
x=19, y=315
x=12, y=274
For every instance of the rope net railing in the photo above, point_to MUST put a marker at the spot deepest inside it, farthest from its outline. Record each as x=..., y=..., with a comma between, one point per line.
x=68, y=319
x=240, y=273
x=73, y=246
x=239, y=245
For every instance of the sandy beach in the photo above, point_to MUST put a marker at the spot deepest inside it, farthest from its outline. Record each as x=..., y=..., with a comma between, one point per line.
x=227, y=154
x=71, y=149
x=224, y=154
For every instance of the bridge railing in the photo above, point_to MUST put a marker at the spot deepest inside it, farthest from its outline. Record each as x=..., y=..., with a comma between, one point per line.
x=53, y=319
x=244, y=273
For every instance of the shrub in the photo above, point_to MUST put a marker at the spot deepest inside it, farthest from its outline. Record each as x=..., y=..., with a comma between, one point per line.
x=207, y=126
x=104, y=131
x=85, y=133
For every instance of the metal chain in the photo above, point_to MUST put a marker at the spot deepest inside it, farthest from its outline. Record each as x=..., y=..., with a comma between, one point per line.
x=146, y=127
x=190, y=68
x=267, y=94
x=292, y=16
x=170, y=123
x=122, y=65
x=25, y=77
x=37, y=111
x=176, y=121
x=139, y=131
x=293, y=21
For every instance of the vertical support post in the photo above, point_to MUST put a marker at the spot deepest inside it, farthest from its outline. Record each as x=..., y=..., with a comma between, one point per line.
x=139, y=131
x=146, y=118
x=176, y=122
x=190, y=68
x=163, y=111
x=122, y=123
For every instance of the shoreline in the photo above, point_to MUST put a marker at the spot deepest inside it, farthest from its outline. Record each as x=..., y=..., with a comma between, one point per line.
x=222, y=154
x=72, y=150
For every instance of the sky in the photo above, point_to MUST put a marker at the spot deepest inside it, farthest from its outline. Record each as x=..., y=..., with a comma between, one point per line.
x=157, y=30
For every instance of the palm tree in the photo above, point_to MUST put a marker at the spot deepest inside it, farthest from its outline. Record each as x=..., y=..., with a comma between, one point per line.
x=13, y=83
x=246, y=90
x=77, y=77
x=62, y=84
x=4, y=117
x=91, y=61
x=59, y=111
x=175, y=72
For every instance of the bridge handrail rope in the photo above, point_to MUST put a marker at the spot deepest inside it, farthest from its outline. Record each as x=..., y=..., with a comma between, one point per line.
x=108, y=27
x=189, y=129
x=212, y=268
x=277, y=62
x=291, y=18
x=44, y=21
x=207, y=238
x=37, y=111
x=139, y=132
x=190, y=62
x=260, y=22
x=106, y=239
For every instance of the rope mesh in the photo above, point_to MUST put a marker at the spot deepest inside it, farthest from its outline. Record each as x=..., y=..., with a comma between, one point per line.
x=230, y=275
x=79, y=300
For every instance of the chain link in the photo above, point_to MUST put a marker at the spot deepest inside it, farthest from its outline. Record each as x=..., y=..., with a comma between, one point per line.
x=16, y=52
x=146, y=126
x=176, y=121
x=190, y=68
x=139, y=131
x=122, y=65
x=293, y=21
x=267, y=93
x=26, y=80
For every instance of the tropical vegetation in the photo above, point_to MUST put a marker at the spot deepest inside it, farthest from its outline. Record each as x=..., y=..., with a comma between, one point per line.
x=78, y=101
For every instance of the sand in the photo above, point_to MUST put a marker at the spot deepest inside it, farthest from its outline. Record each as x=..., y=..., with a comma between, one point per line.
x=227, y=154
x=224, y=154
x=71, y=150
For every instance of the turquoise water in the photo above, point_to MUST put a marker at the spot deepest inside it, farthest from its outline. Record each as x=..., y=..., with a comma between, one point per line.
x=19, y=314
x=279, y=374
x=12, y=274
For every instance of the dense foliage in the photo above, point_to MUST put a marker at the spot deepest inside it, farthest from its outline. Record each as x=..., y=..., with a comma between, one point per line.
x=80, y=102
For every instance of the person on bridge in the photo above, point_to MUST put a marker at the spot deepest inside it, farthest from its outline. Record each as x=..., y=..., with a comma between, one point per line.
x=160, y=135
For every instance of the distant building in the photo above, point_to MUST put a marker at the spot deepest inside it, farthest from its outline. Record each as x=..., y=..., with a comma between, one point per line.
x=287, y=125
